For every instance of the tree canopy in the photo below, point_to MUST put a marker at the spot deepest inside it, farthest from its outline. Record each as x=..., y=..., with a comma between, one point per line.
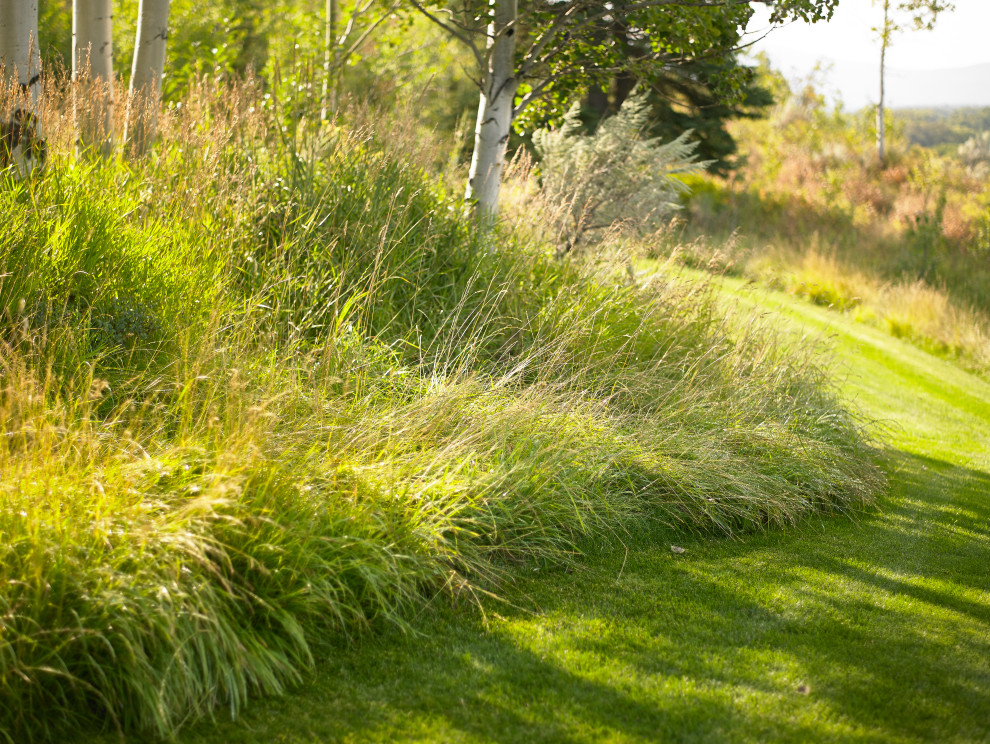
x=543, y=54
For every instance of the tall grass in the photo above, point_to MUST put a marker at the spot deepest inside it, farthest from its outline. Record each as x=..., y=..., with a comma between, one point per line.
x=902, y=246
x=877, y=279
x=267, y=387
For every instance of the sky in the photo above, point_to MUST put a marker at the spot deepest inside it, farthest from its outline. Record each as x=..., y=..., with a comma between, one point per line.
x=918, y=62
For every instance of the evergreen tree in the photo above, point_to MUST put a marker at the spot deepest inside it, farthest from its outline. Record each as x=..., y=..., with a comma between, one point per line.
x=682, y=97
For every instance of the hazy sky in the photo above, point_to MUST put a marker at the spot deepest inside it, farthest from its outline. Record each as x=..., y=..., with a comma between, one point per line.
x=960, y=39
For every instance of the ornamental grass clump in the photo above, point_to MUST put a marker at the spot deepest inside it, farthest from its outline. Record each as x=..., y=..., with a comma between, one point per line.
x=349, y=402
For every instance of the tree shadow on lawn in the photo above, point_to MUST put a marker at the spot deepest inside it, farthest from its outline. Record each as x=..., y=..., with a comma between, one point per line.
x=938, y=518
x=459, y=683
x=887, y=619
x=874, y=629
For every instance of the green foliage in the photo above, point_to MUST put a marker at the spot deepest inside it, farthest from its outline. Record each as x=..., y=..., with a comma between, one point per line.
x=812, y=212
x=126, y=281
x=634, y=45
x=411, y=62
x=55, y=32
x=926, y=237
x=917, y=14
x=982, y=242
x=566, y=50
x=684, y=93
x=691, y=101
x=975, y=153
x=767, y=638
x=384, y=58
x=217, y=38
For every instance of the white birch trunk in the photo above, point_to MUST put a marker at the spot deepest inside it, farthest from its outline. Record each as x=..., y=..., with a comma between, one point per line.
x=19, y=51
x=881, y=121
x=144, y=97
x=491, y=132
x=20, y=57
x=92, y=72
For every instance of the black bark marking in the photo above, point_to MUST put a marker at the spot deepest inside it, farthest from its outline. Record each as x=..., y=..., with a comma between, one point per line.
x=25, y=87
x=20, y=130
x=505, y=83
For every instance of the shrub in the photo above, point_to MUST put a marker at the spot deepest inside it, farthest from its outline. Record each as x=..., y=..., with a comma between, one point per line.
x=614, y=174
x=975, y=153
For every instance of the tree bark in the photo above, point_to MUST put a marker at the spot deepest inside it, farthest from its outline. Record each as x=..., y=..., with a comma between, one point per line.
x=491, y=133
x=881, y=121
x=144, y=97
x=21, y=141
x=329, y=58
x=92, y=72
x=19, y=51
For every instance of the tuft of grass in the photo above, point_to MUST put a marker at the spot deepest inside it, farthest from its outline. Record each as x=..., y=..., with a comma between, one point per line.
x=928, y=315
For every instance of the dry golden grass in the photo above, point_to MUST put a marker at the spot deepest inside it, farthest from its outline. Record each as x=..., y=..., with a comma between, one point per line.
x=911, y=309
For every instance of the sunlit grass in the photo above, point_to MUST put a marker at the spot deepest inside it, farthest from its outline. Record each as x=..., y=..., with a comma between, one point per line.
x=811, y=211
x=927, y=314
x=865, y=629
x=267, y=389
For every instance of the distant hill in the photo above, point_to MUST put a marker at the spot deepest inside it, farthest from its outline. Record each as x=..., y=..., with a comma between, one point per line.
x=943, y=128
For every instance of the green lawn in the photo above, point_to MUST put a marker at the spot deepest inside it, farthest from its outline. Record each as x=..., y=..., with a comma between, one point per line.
x=876, y=629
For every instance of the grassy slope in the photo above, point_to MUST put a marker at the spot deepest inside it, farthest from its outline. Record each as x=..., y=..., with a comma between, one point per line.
x=267, y=387
x=874, y=630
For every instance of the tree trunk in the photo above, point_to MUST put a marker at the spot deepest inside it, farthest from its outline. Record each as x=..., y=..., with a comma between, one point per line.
x=491, y=133
x=21, y=142
x=144, y=96
x=19, y=52
x=329, y=58
x=881, y=122
x=595, y=103
x=620, y=88
x=92, y=71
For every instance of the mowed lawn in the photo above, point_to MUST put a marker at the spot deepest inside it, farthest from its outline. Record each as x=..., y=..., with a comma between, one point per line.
x=871, y=629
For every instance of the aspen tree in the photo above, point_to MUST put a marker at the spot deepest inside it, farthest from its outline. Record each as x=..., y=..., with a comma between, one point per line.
x=92, y=73
x=330, y=58
x=552, y=50
x=20, y=60
x=363, y=17
x=922, y=14
x=495, y=109
x=19, y=52
x=144, y=96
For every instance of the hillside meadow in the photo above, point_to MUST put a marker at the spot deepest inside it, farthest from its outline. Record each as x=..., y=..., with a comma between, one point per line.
x=903, y=246
x=269, y=388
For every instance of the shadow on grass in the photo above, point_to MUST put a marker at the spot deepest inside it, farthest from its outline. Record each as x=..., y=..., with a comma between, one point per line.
x=869, y=630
